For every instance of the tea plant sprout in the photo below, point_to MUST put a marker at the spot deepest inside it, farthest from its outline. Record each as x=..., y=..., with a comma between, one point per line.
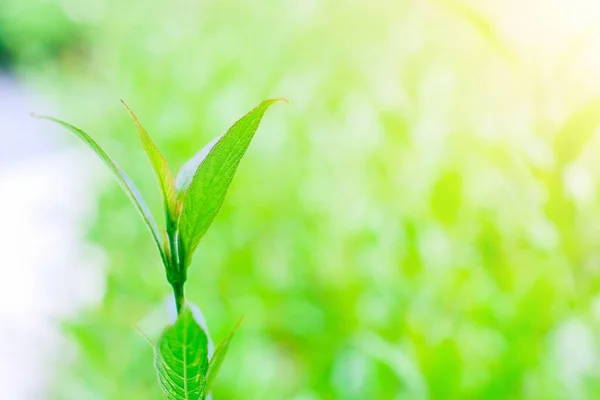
x=191, y=201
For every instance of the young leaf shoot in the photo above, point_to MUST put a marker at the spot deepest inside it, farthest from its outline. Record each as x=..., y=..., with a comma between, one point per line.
x=191, y=203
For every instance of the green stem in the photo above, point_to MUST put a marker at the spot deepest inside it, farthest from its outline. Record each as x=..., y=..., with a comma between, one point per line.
x=179, y=295
x=177, y=273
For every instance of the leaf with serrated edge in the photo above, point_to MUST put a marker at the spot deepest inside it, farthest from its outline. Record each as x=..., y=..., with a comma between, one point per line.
x=161, y=169
x=181, y=359
x=126, y=183
x=217, y=359
x=210, y=182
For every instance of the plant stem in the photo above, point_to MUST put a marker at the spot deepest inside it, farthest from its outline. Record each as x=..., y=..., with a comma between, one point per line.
x=177, y=274
x=179, y=295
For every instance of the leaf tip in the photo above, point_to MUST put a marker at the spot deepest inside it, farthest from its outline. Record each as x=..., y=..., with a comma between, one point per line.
x=35, y=115
x=145, y=336
x=276, y=99
x=133, y=116
x=129, y=110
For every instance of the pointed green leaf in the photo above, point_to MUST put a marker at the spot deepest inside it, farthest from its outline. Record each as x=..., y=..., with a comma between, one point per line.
x=181, y=359
x=218, y=357
x=126, y=183
x=186, y=173
x=161, y=168
x=212, y=178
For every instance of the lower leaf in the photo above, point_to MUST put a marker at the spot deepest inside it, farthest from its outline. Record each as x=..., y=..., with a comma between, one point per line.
x=181, y=359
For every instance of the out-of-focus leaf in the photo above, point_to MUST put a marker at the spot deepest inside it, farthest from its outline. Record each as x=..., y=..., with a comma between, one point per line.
x=181, y=359
x=161, y=168
x=446, y=197
x=126, y=183
x=576, y=132
x=217, y=359
x=210, y=182
x=481, y=23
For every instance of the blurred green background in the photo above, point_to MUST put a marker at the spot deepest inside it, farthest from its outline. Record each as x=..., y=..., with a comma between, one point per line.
x=422, y=221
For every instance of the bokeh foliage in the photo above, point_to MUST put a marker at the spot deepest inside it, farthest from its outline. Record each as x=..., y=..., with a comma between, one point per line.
x=419, y=222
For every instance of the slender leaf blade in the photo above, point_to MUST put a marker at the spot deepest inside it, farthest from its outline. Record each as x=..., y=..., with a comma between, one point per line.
x=186, y=173
x=161, y=169
x=126, y=183
x=218, y=357
x=210, y=182
x=181, y=359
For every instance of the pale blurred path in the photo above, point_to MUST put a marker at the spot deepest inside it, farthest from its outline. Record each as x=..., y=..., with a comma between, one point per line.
x=47, y=271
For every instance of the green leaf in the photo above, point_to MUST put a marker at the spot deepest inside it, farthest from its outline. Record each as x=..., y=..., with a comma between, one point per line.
x=181, y=359
x=212, y=178
x=126, y=183
x=218, y=357
x=161, y=169
x=186, y=173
